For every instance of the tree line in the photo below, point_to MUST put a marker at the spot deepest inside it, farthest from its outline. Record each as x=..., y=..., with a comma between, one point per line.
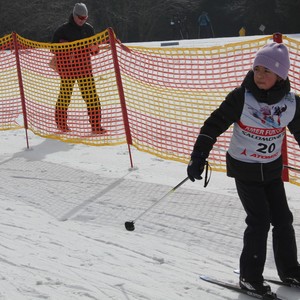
x=150, y=20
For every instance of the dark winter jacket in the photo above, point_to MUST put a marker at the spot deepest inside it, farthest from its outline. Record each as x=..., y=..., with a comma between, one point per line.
x=203, y=20
x=230, y=112
x=75, y=61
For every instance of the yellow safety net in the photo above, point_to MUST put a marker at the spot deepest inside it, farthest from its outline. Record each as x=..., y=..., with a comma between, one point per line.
x=169, y=93
x=70, y=91
x=10, y=105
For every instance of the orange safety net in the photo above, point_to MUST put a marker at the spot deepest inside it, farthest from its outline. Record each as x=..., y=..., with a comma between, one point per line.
x=153, y=98
x=10, y=104
x=169, y=93
x=70, y=90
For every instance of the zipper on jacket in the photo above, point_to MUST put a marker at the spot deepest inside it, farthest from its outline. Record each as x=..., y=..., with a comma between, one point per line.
x=262, y=172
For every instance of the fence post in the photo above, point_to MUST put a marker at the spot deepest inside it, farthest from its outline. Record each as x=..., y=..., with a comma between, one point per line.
x=112, y=41
x=16, y=48
x=284, y=153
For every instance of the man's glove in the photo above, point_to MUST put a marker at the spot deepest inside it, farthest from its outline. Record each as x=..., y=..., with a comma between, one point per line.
x=202, y=147
x=195, y=168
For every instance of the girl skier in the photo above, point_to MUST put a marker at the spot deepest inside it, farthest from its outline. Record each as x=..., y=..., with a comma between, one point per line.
x=260, y=109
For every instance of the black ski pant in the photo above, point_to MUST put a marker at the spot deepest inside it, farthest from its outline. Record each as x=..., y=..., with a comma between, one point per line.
x=265, y=203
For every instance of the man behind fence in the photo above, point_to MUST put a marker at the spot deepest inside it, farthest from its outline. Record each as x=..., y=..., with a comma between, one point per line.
x=74, y=64
x=204, y=26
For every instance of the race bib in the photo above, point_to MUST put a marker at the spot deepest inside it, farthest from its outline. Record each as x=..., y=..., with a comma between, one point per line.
x=258, y=136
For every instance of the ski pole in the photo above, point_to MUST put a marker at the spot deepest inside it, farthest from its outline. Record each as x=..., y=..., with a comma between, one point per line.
x=291, y=168
x=129, y=225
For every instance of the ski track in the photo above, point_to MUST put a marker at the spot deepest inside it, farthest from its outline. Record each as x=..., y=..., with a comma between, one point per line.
x=90, y=280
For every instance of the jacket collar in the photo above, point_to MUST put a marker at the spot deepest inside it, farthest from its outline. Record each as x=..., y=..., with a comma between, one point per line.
x=271, y=96
x=72, y=22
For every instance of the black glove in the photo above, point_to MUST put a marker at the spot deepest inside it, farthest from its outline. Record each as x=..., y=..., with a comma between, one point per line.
x=202, y=147
x=195, y=168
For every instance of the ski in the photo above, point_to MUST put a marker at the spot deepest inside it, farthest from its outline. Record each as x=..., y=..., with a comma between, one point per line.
x=276, y=281
x=279, y=282
x=236, y=288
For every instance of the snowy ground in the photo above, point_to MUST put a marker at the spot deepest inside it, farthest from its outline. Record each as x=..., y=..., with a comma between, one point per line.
x=62, y=234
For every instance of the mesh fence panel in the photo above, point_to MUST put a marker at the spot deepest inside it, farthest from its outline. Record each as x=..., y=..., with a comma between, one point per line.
x=170, y=92
x=10, y=103
x=70, y=90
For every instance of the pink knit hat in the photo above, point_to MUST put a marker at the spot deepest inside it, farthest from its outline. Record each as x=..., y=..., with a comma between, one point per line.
x=275, y=57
